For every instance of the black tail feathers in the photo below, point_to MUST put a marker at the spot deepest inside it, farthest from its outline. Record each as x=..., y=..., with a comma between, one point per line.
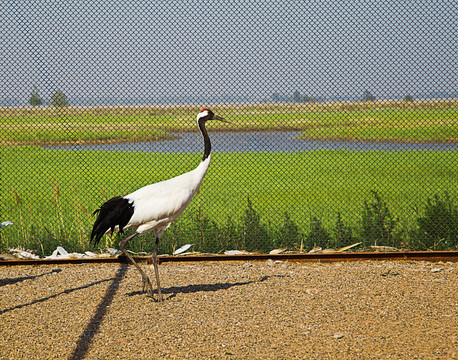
x=115, y=212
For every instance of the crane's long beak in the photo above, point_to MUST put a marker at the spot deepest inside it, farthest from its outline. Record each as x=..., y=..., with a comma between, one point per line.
x=216, y=117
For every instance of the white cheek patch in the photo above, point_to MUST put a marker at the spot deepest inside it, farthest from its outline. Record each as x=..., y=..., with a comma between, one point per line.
x=202, y=114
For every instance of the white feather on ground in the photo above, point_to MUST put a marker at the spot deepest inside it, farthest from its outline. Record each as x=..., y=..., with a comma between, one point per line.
x=5, y=223
x=182, y=249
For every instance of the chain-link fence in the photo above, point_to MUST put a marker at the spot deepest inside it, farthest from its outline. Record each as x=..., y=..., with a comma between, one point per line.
x=346, y=121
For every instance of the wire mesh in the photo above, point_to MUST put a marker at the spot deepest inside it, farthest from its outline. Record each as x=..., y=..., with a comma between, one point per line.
x=346, y=121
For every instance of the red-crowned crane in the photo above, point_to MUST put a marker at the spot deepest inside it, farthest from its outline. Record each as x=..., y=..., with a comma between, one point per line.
x=154, y=207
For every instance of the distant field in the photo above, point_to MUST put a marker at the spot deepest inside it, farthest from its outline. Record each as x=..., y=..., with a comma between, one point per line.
x=378, y=121
x=387, y=125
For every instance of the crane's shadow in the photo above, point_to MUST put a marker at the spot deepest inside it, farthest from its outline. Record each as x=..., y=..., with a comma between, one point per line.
x=11, y=281
x=92, y=328
x=196, y=288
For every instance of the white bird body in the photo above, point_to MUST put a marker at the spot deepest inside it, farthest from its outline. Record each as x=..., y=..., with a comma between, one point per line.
x=154, y=207
x=157, y=205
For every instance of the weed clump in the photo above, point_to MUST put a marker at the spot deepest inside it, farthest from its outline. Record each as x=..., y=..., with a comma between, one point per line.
x=438, y=225
x=318, y=236
x=343, y=234
x=288, y=234
x=378, y=225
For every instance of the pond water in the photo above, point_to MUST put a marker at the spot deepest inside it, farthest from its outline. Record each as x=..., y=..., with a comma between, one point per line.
x=256, y=142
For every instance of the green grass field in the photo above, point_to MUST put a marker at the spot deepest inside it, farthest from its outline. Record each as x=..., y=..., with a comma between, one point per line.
x=384, y=121
x=50, y=194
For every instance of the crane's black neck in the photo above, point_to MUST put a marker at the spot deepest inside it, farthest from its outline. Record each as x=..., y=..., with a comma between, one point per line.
x=207, y=143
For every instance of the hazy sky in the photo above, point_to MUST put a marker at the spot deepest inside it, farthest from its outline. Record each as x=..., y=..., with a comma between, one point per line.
x=208, y=49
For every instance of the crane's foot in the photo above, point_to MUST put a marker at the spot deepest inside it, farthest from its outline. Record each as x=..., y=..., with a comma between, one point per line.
x=147, y=285
x=148, y=288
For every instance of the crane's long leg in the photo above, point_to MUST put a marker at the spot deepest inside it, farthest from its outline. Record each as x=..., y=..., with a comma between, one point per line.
x=156, y=270
x=145, y=279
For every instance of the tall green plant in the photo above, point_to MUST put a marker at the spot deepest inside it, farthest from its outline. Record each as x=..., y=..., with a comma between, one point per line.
x=288, y=235
x=343, y=234
x=318, y=236
x=255, y=234
x=438, y=226
x=379, y=227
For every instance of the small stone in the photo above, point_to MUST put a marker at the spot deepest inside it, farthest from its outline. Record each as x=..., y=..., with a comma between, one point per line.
x=435, y=270
x=270, y=262
x=338, y=335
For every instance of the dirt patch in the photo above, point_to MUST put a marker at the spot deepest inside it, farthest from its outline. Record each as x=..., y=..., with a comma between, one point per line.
x=260, y=310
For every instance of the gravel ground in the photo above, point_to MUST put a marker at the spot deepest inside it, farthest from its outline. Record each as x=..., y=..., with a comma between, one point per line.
x=232, y=310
